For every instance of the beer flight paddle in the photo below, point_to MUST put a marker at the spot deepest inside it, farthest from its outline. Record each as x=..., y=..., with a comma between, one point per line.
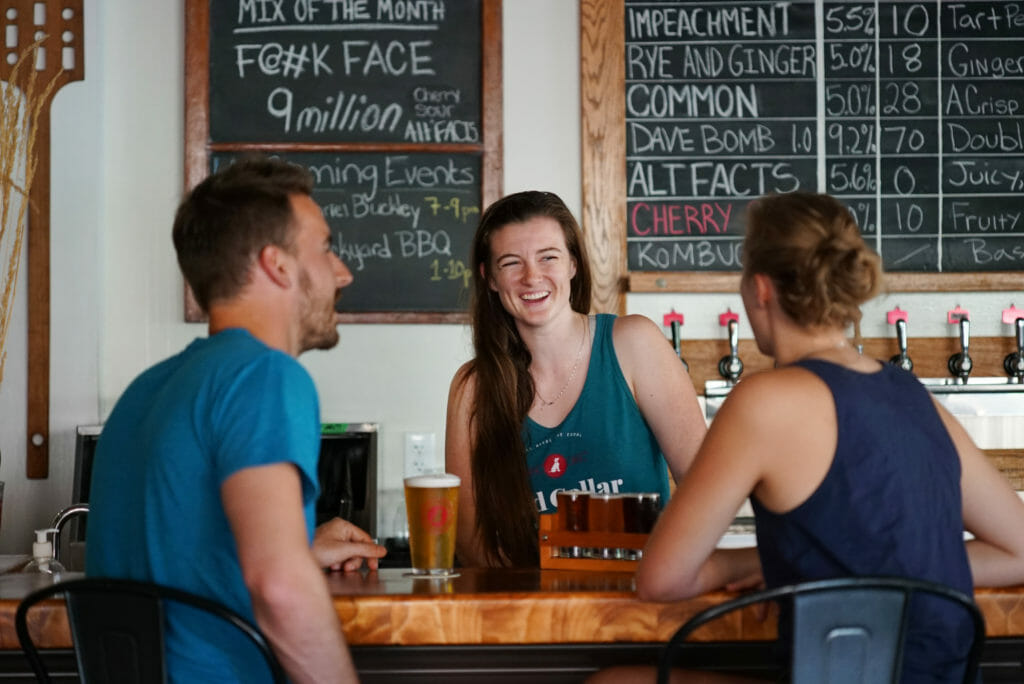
x=593, y=531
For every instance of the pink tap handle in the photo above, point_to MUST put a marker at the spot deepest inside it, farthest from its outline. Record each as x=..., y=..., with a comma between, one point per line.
x=672, y=317
x=723, y=319
x=953, y=317
x=896, y=314
x=1012, y=314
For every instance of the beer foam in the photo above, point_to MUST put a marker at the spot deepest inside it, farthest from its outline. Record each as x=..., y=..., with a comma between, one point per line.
x=433, y=480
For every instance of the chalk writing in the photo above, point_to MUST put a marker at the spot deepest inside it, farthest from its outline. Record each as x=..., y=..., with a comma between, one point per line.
x=912, y=113
x=345, y=70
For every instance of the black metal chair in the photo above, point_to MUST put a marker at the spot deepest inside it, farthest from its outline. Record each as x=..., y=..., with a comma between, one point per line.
x=117, y=627
x=844, y=631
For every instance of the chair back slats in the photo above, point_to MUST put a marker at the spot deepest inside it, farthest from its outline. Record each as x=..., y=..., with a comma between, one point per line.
x=847, y=637
x=119, y=636
x=118, y=628
x=843, y=631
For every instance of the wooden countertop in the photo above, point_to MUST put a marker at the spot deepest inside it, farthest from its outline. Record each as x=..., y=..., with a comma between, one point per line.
x=489, y=607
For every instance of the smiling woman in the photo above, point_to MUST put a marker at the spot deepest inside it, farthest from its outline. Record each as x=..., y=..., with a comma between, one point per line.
x=572, y=401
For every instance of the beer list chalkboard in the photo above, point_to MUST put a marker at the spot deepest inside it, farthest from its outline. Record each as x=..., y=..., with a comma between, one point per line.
x=908, y=112
x=387, y=103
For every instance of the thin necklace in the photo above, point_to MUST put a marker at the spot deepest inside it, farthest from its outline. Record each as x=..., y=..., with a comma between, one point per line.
x=842, y=344
x=572, y=374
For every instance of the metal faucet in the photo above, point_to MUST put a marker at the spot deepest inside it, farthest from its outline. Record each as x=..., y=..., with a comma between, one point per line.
x=1013, y=364
x=902, y=359
x=731, y=367
x=960, y=364
x=61, y=519
x=676, y=345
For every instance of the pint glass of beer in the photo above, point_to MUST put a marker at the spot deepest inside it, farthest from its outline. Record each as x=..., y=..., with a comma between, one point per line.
x=431, y=503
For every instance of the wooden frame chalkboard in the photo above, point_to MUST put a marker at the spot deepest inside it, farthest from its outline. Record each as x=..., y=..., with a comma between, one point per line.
x=402, y=174
x=605, y=183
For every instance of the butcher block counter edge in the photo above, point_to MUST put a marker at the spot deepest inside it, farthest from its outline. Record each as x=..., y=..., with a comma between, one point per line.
x=561, y=608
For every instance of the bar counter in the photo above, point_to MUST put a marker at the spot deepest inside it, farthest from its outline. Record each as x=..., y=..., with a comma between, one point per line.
x=499, y=614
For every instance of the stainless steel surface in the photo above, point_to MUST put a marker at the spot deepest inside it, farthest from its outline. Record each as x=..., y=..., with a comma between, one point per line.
x=977, y=396
x=60, y=520
x=715, y=392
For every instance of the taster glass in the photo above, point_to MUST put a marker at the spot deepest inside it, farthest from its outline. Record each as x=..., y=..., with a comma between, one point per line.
x=640, y=511
x=605, y=513
x=573, y=507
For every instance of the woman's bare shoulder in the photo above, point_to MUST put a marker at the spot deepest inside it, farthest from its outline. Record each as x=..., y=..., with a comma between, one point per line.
x=788, y=389
x=634, y=334
x=465, y=375
x=635, y=324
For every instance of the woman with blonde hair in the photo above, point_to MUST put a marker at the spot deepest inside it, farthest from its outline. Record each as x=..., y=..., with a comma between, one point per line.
x=851, y=466
x=556, y=398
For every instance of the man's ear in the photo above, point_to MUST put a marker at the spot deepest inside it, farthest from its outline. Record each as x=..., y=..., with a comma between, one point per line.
x=274, y=262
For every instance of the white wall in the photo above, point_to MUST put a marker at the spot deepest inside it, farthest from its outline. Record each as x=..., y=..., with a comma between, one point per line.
x=117, y=294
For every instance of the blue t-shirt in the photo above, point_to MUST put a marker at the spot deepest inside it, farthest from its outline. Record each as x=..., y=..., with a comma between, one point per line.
x=604, y=445
x=890, y=504
x=225, y=403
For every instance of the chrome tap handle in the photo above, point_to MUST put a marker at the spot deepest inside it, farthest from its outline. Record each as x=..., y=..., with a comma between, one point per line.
x=960, y=364
x=902, y=359
x=965, y=336
x=677, y=345
x=731, y=367
x=1013, y=364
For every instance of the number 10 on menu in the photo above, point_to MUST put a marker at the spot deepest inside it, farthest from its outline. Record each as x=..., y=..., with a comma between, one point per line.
x=909, y=112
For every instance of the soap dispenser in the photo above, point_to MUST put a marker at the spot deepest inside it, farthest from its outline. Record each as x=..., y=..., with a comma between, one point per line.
x=43, y=561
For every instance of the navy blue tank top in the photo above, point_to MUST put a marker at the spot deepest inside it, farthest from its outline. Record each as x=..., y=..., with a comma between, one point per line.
x=889, y=505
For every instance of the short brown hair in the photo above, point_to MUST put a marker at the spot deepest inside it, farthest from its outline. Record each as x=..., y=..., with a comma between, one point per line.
x=223, y=223
x=810, y=246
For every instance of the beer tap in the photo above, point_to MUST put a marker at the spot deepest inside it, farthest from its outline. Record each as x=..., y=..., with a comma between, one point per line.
x=898, y=317
x=674, y=321
x=960, y=364
x=730, y=367
x=1013, y=364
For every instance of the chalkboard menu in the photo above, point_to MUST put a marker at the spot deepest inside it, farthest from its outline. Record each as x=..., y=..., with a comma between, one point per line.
x=407, y=214
x=344, y=72
x=395, y=107
x=911, y=113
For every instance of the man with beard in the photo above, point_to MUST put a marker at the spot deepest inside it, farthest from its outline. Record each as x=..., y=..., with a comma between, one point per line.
x=205, y=475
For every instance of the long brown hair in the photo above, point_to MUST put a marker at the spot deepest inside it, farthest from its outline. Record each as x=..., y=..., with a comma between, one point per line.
x=506, y=521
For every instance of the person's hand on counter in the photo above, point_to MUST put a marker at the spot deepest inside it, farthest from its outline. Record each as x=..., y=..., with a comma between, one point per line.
x=340, y=545
x=752, y=582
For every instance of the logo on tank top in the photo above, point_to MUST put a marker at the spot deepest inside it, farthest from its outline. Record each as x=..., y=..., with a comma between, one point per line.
x=555, y=465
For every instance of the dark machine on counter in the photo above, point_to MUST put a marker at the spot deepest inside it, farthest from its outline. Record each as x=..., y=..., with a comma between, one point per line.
x=347, y=471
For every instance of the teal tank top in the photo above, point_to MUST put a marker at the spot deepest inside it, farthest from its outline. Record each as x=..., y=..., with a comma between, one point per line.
x=604, y=445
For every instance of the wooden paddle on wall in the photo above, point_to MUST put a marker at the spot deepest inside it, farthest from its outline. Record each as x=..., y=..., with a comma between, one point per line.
x=59, y=57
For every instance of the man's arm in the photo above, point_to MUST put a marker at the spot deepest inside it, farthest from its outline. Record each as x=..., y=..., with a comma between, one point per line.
x=289, y=592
